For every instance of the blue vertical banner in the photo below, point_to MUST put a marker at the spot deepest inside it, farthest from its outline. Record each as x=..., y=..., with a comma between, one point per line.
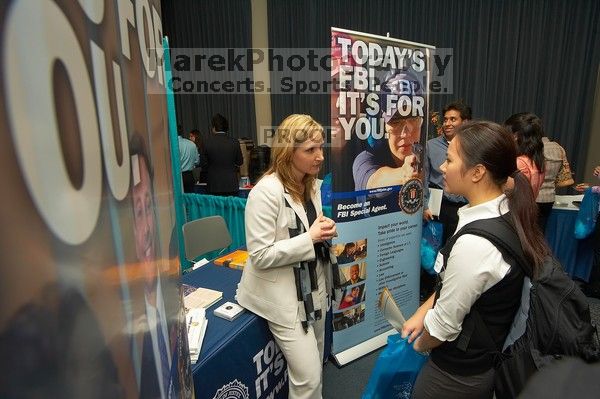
x=379, y=120
x=91, y=300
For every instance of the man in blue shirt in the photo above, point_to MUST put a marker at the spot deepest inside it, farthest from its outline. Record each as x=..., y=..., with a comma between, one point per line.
x=437, y=149
x=188, y=156
x=436, y=152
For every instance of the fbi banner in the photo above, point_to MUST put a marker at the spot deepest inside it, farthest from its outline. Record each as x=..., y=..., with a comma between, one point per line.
x=90, y=305
x=379, y=123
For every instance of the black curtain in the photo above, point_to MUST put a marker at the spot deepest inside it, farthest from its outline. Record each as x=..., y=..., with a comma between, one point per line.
x=509, y=56
x=211, y=24
x=309, y=28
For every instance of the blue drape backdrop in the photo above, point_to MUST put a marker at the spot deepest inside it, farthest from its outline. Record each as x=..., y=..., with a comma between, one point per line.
x=509, y=56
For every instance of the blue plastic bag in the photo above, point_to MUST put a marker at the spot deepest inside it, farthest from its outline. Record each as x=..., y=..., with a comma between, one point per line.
x=586, y=217
x=431, y=241
x=395, y=371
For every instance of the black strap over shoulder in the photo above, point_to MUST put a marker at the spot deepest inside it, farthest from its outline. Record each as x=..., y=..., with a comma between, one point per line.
x=500, y=232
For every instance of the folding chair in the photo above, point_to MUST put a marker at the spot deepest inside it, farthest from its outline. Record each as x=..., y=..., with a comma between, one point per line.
x=204, y=235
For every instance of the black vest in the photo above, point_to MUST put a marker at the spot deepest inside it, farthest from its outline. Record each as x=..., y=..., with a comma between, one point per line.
x=474, y=350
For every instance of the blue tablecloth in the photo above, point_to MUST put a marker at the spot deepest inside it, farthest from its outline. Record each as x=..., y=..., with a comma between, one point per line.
x=575, y=255
x=239, y=358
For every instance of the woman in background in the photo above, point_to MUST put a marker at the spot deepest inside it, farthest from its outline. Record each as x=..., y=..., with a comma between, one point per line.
x=528, y=132
x=557, y=174
x=476, y=279
x=288, y=276
x=592, y=288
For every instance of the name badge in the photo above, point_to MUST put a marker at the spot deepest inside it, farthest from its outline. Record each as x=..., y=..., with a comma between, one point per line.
x=439, y=263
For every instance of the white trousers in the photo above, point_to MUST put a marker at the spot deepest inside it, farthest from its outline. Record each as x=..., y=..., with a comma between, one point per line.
x=303, y=352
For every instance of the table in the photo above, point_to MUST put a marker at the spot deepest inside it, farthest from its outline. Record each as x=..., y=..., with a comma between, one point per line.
x=575, y=255
x=239, y=358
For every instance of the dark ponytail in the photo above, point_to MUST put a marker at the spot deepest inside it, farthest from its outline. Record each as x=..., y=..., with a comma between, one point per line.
x=492, y=146
x=528, y=129
x=524, y=212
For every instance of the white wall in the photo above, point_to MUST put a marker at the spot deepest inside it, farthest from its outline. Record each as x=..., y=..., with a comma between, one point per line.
x=260, y=40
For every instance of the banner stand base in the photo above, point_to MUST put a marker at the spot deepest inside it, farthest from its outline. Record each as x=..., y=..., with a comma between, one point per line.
x=366, y=347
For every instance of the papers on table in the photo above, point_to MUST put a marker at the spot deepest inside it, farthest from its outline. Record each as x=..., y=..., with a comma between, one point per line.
x=201, y=262
x=201, y=298
x=196, y=300
x=566, y=202
x=196, y=326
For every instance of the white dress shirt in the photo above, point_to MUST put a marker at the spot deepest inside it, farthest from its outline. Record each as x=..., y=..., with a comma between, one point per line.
x=474, y=266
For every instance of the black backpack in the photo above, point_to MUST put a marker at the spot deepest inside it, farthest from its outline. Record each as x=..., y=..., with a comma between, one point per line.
x=553, y=320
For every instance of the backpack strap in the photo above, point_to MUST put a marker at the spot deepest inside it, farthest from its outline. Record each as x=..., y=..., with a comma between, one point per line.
x=501, y=233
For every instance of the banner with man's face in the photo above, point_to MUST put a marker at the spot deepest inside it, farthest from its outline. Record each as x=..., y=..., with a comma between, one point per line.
x=89, y=283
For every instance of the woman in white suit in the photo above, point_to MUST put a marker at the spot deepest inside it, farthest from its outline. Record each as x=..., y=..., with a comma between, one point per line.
x=288, y=276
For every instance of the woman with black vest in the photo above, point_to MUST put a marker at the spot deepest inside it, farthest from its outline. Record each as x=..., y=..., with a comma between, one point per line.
x=478, y=289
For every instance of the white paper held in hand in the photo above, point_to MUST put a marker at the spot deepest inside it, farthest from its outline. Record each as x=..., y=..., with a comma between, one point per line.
x=390, y=309
x=435, y=201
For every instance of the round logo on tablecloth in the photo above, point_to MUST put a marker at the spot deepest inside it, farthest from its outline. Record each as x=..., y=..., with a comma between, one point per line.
x=233, y=390
x=410, y=197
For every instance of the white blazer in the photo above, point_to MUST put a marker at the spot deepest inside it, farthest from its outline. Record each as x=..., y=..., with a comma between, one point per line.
x=268, y=286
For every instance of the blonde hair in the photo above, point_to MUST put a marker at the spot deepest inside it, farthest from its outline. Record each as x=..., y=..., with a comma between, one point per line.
x=293, y=131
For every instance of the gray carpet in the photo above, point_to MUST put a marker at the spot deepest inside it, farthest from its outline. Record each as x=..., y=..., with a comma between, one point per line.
x=349, y=381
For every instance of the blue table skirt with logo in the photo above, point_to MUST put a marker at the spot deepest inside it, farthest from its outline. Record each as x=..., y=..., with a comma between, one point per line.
x=239, y=358
x=575, y=255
